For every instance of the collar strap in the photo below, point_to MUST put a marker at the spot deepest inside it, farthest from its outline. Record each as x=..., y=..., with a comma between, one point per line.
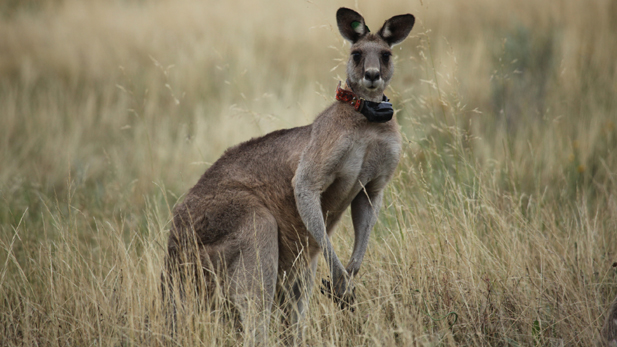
x=349, y=97
x=378, y=112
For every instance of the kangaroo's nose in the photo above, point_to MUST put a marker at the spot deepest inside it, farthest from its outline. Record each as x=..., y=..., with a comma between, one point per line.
x=371, y=75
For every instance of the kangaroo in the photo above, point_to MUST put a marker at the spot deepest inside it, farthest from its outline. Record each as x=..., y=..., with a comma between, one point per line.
x=259, y=217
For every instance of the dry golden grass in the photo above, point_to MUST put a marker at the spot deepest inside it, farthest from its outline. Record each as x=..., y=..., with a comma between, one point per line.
x=500, y=227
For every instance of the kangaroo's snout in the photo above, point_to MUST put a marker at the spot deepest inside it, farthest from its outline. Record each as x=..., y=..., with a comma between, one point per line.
x=372, y=79
x=371, y=75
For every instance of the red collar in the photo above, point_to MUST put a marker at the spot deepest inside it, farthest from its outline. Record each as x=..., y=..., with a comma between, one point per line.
x=349, y=97
x=376, y=112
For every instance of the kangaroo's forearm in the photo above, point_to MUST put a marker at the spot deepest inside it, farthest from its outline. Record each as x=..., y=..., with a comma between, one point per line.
x=309, y=208
x=364, y=211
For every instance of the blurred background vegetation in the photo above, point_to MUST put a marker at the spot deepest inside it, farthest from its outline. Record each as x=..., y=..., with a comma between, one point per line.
x=503, y=210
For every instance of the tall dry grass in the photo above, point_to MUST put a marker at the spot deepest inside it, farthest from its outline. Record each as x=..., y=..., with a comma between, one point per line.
x=500, y=227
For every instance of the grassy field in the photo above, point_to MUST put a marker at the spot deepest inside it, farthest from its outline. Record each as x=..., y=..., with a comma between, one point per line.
x=499, y=228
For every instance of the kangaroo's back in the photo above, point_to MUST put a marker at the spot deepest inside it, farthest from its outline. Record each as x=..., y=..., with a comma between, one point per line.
x=259, y=169
x=255, y=164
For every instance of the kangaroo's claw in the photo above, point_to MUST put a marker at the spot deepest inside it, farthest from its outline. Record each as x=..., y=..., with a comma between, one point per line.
x=345, y=302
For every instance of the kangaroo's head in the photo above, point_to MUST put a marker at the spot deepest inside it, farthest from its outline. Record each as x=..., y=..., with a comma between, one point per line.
x=370, y=68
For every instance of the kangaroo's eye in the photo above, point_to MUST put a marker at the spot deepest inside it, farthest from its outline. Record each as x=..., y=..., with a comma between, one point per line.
x=356, y=56
x=386, y=56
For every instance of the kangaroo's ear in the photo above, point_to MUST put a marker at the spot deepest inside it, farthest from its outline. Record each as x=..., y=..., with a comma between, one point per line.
x=350, y=24
x=396, y=29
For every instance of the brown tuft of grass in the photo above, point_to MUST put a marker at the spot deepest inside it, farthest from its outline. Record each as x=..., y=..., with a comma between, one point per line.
x=498, y=229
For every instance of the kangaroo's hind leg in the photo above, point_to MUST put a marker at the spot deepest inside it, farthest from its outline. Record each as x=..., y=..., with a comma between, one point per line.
x=295, y=297
x=252, y=274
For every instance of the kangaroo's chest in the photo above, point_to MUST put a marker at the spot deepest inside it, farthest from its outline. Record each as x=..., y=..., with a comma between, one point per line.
x=371, y=160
